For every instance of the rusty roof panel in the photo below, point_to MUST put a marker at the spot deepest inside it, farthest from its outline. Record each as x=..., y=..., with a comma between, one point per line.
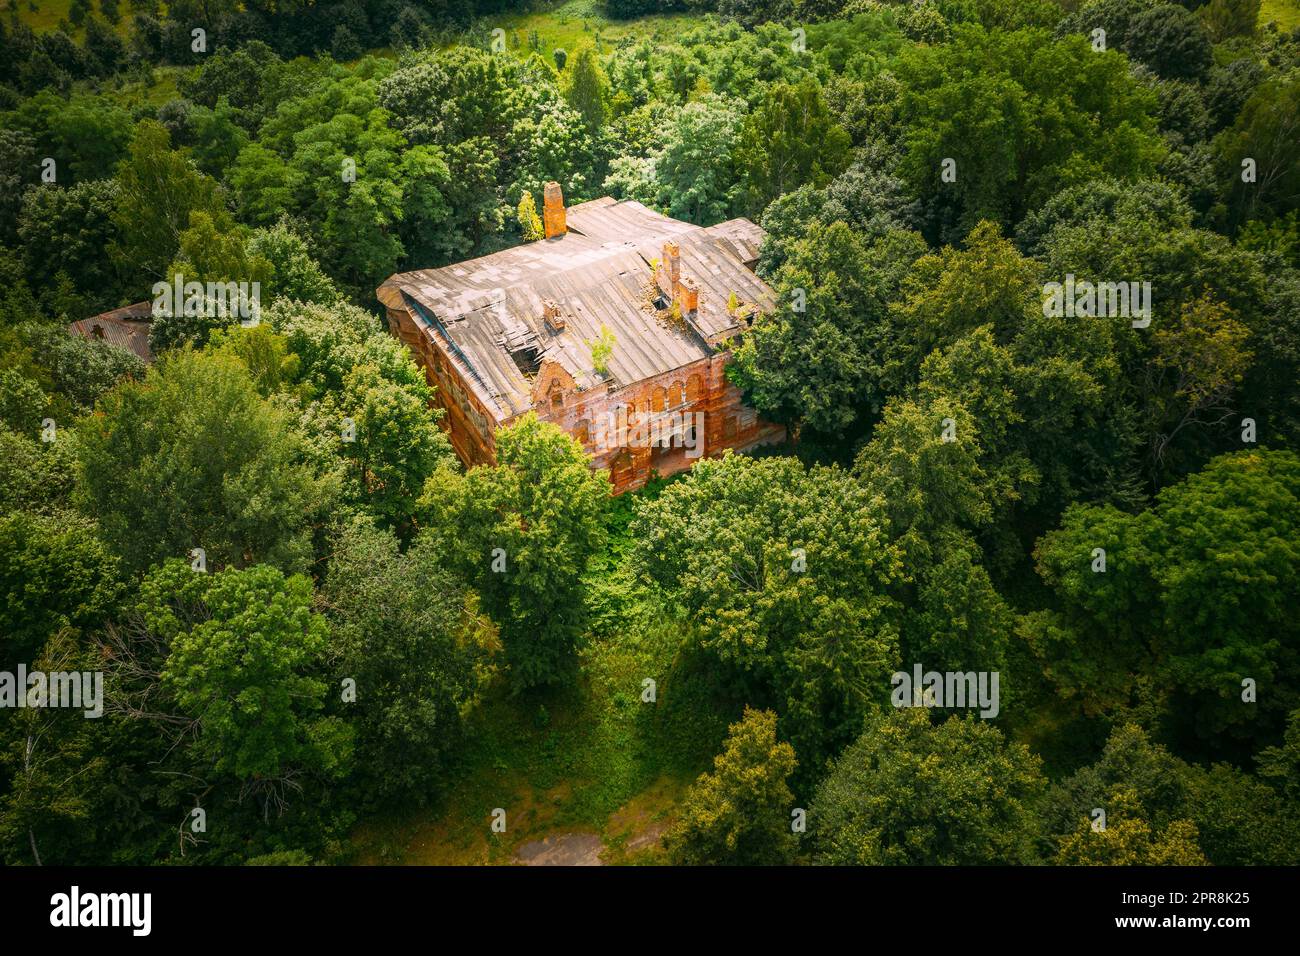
x=127, y=328
x=599, y=275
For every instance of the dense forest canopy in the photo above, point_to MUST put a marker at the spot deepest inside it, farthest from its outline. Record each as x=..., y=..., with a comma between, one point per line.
x=265, y=542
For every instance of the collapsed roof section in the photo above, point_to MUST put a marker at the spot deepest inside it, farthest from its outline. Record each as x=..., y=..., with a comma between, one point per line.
x=670, y=293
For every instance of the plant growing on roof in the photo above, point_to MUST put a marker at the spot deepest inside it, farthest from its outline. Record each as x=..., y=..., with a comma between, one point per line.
x=530, y=224
x=602, y=347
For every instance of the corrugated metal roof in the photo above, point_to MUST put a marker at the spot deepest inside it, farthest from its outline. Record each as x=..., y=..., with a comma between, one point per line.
x=599, y=274
x=127, y=328
x=743, y=236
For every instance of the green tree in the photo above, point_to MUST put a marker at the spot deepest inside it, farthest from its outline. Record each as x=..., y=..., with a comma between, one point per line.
x=1192, y=596
x=264, y=352
x=524, y=531
x=910, y=792
x=818, y=359
x=788, y=140
x=418, y=652
x=193, y=457
x=1226, y=562
x=696, y=168
x=739, y=814
x=244, y=652
x=602, y=347
x=1151, y=795
x=1128, y=840
x=395, y=444
x=53, y=772
x=786, y=575
x=54, y=575
x=586, y=87
x=1172, y=41
x=71, y=229
x=295, y=274
x=35, y=476
x=1280, y=765
x=1194, y=374
x=530, y=224
x=1231, y=18
x=979, y=100
x=158, y=191
x=1266, y=125
x=1093, y=644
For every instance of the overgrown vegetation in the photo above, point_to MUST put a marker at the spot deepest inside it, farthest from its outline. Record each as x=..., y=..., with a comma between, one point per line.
x=317, y=626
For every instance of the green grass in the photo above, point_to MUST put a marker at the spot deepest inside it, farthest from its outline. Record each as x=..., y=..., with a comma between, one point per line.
x=571, y=24
x=46, y=16
x=161, y=90
x=589, y=756
x=1285, y=12
x=49, y=13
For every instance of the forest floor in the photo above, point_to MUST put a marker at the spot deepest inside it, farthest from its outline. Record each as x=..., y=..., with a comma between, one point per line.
x=584, y=775
x=590, y=770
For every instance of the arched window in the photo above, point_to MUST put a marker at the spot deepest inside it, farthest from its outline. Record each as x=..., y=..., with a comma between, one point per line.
x=694, y=385
x=657, y=398
x=674, y=394
x=582, y=432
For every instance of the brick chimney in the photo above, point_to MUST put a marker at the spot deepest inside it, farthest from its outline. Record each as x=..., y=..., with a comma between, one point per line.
x=553, y=211
x=672, y=265
x=681, y=289
x=551, y=313
x=689, y=295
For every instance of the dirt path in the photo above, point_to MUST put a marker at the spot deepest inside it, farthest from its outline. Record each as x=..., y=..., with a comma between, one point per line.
x=566, y=849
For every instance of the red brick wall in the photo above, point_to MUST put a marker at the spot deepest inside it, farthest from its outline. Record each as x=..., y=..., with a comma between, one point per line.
x=700, y=387
x=467, y=422
x=697, y=388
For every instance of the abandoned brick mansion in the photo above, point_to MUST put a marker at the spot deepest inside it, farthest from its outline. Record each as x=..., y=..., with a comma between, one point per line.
x=615, y=327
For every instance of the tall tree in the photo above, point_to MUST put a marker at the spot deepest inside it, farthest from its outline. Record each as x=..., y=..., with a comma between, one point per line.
x=740, y=813
x=244, y=651
x=524, y=531
x=786, y=575
x=586, y=87
x=909, y=792
x=158, y=190
x=416, y=650
x=193, y=457
x=790, y=139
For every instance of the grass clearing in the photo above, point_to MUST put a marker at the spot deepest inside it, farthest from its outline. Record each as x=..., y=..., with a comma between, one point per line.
x=573, y=23
x=1285, y=12
x=43, y=15
x=39, y=14
x=590, y=757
